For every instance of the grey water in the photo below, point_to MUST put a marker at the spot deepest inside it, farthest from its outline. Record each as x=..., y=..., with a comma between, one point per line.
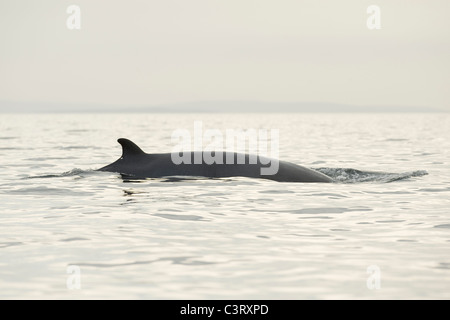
x=380, y=231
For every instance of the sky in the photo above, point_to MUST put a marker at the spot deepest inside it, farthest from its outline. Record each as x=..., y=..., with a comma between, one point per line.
x=156, y=53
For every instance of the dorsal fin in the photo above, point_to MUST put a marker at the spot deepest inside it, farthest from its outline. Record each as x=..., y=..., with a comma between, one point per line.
x=129, y=148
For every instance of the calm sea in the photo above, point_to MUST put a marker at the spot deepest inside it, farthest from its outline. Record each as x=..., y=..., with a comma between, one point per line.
x=381, y=231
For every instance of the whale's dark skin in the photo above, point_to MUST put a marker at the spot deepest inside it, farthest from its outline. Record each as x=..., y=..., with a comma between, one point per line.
x=136, y=163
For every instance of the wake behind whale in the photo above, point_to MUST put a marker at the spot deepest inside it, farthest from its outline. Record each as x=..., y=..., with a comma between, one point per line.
x=349, y=175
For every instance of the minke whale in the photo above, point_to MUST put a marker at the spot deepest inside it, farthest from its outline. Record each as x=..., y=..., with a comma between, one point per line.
x=140, y=165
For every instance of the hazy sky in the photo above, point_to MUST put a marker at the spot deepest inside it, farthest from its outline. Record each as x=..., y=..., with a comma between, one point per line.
x=151, y=52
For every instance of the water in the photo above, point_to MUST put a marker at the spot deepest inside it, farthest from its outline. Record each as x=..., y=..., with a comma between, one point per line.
x=382, y=231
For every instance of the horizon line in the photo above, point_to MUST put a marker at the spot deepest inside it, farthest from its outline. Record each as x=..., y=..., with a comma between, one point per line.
x=212, y=106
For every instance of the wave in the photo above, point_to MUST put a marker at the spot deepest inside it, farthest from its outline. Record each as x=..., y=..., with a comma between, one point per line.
x=349, y=175
x=72, y=173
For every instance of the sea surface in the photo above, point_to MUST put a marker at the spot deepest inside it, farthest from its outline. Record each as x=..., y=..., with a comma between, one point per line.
x=380, y=231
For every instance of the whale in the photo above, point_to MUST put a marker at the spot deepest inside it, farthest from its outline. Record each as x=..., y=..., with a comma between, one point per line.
x=137, y=164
